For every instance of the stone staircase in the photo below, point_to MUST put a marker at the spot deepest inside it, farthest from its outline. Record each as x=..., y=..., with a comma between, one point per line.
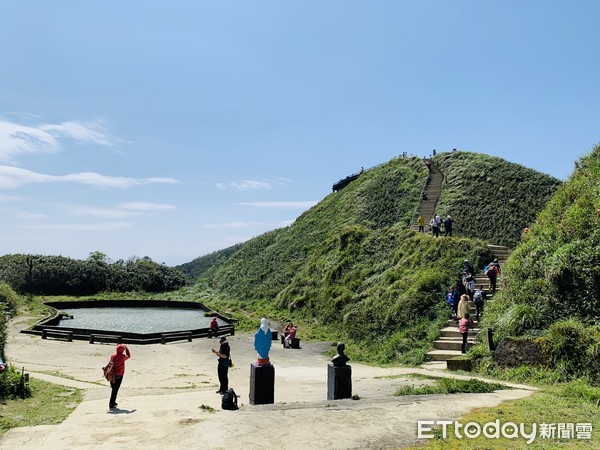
x=432, y=193
x=448, y=345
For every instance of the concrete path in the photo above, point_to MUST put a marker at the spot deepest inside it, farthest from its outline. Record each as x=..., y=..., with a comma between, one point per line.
x=165, y=385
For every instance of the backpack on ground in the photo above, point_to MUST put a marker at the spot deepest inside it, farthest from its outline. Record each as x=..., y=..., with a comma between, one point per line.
x=229, y=400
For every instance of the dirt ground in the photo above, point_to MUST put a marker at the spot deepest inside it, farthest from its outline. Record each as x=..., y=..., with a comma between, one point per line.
x=165, y=385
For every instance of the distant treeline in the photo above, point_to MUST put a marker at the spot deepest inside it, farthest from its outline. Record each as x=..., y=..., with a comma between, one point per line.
x=59, y=275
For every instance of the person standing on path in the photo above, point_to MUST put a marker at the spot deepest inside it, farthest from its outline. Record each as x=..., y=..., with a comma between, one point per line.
x=448, y=225
x=463, y=327
x=421, y=224
x=463, y=306
x=223, y=365
x=122, y=354
x=479, y=299
x=434, y=227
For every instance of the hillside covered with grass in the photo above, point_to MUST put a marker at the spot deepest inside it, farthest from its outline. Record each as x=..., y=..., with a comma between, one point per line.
x=352, y=262
x=552, y=279
x=491, y=198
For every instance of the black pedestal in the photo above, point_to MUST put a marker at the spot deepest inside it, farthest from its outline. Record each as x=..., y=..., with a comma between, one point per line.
x=262, y=384
x=339, y=382
x=274, y=335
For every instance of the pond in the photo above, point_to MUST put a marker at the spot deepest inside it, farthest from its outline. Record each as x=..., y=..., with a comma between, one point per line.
x=143, y=320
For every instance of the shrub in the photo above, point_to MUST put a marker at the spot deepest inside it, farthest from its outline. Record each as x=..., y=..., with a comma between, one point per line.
x=452, y=386
x=574, y=348
x=12, y=384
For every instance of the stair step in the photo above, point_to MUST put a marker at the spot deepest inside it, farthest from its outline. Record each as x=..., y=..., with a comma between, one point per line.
x=456, y=339
x=451, y=345
x=443, y=355
x=453, y=332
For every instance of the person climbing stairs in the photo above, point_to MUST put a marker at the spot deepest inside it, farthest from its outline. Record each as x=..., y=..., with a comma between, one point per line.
x=448, y=345
x=430, y=198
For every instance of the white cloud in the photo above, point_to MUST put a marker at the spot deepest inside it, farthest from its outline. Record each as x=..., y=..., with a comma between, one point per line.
x=104, y=213
x=84, y=132
x=245, y=185
x=146, y=206
x=305, y=205
x=13, y=177
x=16, y=139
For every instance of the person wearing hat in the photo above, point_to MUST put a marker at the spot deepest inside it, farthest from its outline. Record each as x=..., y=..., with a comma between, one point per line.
x=122, y=354
x=223, y=365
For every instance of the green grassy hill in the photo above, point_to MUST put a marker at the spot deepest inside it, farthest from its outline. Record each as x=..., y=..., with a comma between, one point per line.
x=491, y=198
x=553, y=277
x=351, y=262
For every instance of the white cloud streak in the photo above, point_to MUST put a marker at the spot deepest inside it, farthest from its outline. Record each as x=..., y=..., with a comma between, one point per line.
x=103, y=213
x=145, y=206
x=14, y=177
x=245, y=185
x=17, y=139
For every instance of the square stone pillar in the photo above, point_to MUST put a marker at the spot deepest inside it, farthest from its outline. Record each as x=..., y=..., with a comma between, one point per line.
x=339, y=382
x=262, y=384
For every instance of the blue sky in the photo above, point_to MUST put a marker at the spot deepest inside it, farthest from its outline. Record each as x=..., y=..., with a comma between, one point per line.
x=173, y=129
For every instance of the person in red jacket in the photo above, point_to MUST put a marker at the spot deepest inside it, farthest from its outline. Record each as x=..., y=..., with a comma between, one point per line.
x=213, y=328
x=122, y=354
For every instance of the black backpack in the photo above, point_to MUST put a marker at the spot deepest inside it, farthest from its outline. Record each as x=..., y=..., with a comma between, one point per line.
x=229, y=400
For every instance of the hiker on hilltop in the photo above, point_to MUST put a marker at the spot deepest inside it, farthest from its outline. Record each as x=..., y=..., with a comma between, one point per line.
x=448, y=225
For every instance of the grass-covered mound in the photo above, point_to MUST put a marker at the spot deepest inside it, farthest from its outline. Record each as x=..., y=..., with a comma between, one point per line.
x=352, y=263
x=490, y=198
x=552, y=280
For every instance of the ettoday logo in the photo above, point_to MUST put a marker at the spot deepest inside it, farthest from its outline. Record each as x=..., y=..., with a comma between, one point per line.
x=508, y=430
